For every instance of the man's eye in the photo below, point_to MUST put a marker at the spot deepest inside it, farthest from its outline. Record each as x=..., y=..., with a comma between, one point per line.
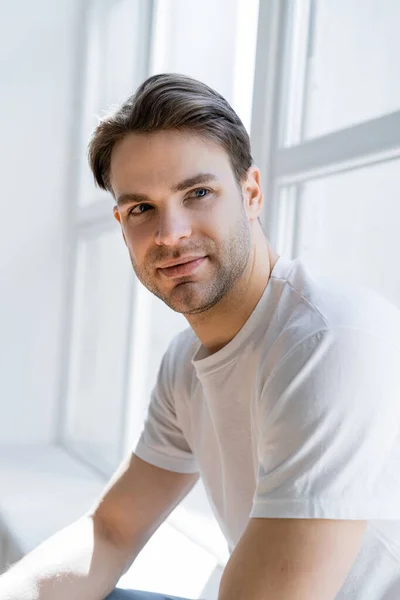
x=201, y=190
x=139, y=209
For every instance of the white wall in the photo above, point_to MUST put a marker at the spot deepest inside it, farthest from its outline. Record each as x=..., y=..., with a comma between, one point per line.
x=36, y=107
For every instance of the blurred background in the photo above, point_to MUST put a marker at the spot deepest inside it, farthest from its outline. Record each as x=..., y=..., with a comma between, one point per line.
x=317, y=85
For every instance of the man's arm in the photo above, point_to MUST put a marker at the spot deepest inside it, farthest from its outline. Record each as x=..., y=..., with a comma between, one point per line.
x=291, y=559
x=85, y=560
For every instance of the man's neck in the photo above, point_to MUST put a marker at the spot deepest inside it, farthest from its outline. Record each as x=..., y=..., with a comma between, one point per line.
x=219, y=325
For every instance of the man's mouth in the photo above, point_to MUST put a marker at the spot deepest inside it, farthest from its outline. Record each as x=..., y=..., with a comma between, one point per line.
x=181, y=269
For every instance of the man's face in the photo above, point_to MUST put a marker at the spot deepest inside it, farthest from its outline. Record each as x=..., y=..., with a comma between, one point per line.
x=166, y=218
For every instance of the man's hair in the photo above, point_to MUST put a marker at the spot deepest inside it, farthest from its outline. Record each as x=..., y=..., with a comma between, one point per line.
x=171, y=101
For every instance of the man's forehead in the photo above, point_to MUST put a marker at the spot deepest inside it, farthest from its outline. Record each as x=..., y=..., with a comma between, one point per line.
x=143, y=168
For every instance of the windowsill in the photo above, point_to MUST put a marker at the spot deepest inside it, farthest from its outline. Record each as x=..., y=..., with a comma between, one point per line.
x=44, y=489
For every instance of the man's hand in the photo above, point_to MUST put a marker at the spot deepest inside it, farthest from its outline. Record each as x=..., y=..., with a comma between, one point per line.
x=291, y=559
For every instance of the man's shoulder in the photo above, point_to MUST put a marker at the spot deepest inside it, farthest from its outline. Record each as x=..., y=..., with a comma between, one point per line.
x=324, y=311
x=343, y=353
x=332, y=302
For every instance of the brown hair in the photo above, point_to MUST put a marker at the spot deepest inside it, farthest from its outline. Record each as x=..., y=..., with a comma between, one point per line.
x=171, y=101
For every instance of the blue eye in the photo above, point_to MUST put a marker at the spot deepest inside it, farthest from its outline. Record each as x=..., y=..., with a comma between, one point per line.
x=201, y=190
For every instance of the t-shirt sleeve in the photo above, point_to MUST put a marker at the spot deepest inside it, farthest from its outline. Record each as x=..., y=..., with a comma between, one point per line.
x=162, y=441
x=328, y=425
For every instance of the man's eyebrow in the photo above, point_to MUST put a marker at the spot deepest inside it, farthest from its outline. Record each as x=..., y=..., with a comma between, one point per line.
x=191, y=181
x=178, y=187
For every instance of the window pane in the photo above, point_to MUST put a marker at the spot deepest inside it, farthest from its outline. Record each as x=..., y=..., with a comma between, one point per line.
x=244, y=61
x=113, y=69
x=354, y=65
x=348, y=227
x=95, y=401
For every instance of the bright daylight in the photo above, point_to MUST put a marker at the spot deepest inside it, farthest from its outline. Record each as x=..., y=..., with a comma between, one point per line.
x=200, y=300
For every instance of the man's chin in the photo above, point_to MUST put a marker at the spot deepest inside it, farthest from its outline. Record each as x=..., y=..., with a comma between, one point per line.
x=185, y=299
x=194, y=306
x=186, y=308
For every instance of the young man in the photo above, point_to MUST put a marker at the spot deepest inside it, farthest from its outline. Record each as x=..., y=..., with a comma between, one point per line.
x=283, y=394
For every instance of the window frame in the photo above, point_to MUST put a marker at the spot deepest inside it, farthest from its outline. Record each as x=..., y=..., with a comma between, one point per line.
x=93, y=219
x=285, y=167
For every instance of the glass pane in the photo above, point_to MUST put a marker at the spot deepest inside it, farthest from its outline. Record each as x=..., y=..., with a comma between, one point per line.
x=113, y=70
x=96, y=391
x=348, y=227
x=354, y=65
x=244, y=60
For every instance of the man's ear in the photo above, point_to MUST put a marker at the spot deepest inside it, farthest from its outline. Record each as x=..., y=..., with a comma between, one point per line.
x=252, y=193
x=118, y=217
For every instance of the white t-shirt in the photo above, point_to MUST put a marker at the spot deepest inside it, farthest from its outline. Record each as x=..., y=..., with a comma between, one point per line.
x=298, y=416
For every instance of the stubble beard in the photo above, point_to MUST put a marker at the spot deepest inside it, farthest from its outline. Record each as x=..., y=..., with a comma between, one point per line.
x=194, y=297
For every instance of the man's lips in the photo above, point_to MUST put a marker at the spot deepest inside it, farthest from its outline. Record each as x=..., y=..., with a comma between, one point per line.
x=182, y=269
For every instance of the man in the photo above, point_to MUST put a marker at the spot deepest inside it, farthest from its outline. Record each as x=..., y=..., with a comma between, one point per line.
x=283, y=393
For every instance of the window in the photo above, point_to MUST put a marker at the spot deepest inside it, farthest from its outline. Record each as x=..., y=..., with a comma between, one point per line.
x=116, y=39
x=347, y=226
x=99, y=349
x=329, y=140
x=352, y=64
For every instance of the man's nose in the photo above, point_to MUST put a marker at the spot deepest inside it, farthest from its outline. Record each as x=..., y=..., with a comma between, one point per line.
x=172, y=227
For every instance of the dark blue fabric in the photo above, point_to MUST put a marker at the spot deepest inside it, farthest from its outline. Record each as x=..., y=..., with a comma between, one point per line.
x=118, y=594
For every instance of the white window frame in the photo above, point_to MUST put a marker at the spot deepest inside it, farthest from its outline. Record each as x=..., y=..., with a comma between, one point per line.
x=94, y=219
x=279, y=96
